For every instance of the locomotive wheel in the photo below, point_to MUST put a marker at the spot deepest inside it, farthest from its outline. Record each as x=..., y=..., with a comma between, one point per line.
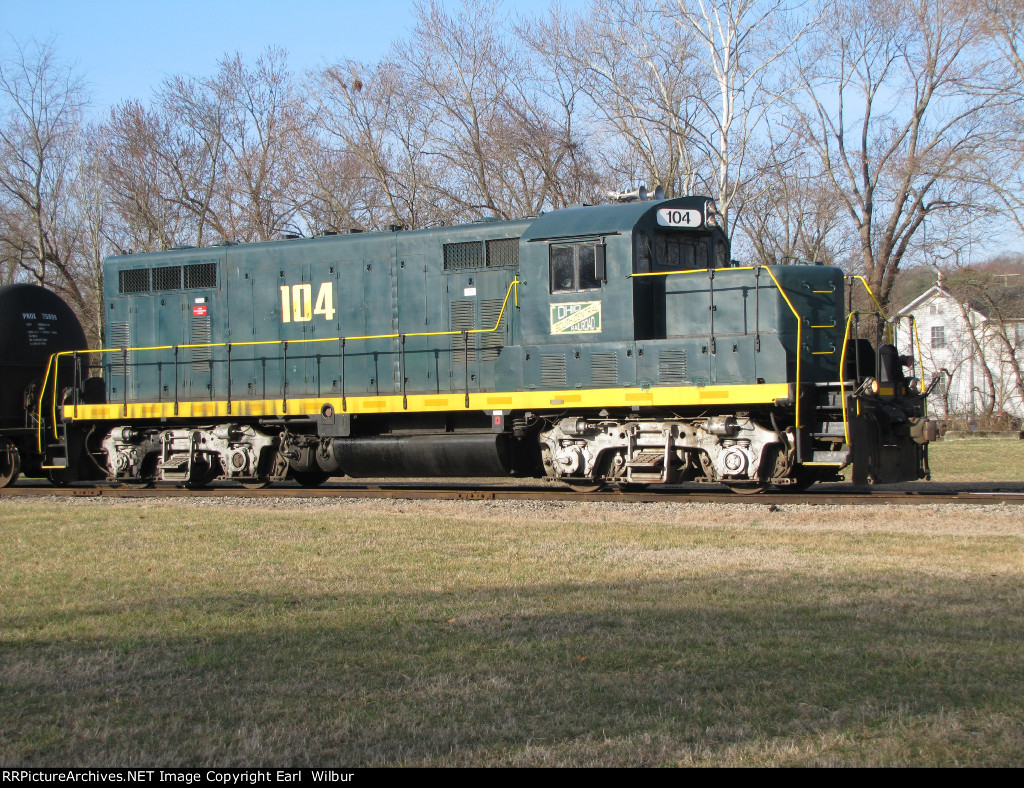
x=752, y=488
x=310, y=478
x=586, y=487
x=10, y=463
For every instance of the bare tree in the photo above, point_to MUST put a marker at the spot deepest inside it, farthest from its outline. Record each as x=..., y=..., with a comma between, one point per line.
x=375, y=116
x=40, y=139
x=160, y=175
x=264, y=124
x=214, y=159
x=893, y=105
x=1003, y=22
x=790, y=212
x=739, y=44
x=498, y=151
x=635, y=69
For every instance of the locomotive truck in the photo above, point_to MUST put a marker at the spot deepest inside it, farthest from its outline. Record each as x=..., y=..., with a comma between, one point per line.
x=615, y=344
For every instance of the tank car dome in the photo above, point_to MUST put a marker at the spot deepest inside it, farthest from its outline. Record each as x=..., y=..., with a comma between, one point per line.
x=34, y=324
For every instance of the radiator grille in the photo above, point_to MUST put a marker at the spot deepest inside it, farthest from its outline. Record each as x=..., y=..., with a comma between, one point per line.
x=493, y=341
x=167, y=278
x=120, y=336
x=604, y=369
x=201, y=275
x=462, y=320
x=201, y=334
x=469, y=254
x=672, y=366
x=552, y=370
x=134, y=281
x=503, y=252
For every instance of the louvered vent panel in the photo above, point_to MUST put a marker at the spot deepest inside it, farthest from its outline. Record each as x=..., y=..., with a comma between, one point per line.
x=120, y=336
x=672, y=366
x=493, y=341
x=552, y=370
x=604, y=369
x=469, y=254
x=135, y=281
x=462, y=320
x=503, y=252
x=201, y=334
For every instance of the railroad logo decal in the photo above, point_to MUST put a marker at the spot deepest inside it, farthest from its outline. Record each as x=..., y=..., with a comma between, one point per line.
x=581, y=317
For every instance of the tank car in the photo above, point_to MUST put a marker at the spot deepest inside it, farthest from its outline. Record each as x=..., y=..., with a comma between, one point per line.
x=595, y=345
x=35, y=324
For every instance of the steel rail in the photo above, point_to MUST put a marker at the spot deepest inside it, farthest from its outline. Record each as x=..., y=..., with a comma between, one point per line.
x=826, y=496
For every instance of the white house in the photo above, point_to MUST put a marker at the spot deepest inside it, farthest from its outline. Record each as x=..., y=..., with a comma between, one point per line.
x=979, y=360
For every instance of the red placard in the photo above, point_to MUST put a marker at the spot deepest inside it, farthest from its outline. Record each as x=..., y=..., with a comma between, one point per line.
x=199, y=310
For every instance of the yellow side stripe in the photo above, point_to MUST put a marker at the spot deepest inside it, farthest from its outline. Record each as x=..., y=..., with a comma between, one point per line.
x=669, y=396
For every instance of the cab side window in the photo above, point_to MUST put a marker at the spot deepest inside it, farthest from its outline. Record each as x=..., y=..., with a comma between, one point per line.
x=576, y=267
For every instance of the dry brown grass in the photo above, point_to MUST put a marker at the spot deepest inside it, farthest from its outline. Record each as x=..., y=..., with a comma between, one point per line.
x=389, y=632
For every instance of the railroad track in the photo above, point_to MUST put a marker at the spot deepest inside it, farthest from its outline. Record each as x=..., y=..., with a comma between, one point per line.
x=920, y=493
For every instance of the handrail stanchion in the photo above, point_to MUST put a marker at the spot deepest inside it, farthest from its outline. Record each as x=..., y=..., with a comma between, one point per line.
x=284, y=386
x=124, y=377
x=175, y=380
x=711, y=296
x=465, y=347
x=75, y=375
x=757, y=309
x=401, y=372
x=229, y=378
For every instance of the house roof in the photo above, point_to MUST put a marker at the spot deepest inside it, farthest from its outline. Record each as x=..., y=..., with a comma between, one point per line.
x=933, y=293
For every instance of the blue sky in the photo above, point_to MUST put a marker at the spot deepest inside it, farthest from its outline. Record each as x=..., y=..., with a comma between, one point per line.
x=125, y=49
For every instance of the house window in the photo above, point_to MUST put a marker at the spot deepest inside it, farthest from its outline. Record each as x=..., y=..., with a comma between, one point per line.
x=934, y=309
x=938, y=336
x=576, y=267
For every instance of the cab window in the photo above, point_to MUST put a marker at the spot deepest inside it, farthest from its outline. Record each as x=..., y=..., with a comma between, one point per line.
x=576, y=267
x=679, y=252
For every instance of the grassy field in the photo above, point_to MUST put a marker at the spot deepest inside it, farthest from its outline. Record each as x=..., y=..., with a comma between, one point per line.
x=398, y=633
x=977, y=460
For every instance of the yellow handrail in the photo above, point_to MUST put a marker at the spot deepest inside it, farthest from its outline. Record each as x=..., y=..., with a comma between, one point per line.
x=842, y=378
x=55, y=358
x=693, y=271
x=881, y=311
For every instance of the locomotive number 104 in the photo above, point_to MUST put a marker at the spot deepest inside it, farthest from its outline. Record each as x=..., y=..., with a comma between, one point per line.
x=297, y=305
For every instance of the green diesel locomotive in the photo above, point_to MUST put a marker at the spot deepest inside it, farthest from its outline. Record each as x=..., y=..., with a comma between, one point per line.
x=595, y=345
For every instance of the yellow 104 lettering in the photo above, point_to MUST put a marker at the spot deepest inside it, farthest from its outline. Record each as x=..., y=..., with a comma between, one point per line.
x=297, y=302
